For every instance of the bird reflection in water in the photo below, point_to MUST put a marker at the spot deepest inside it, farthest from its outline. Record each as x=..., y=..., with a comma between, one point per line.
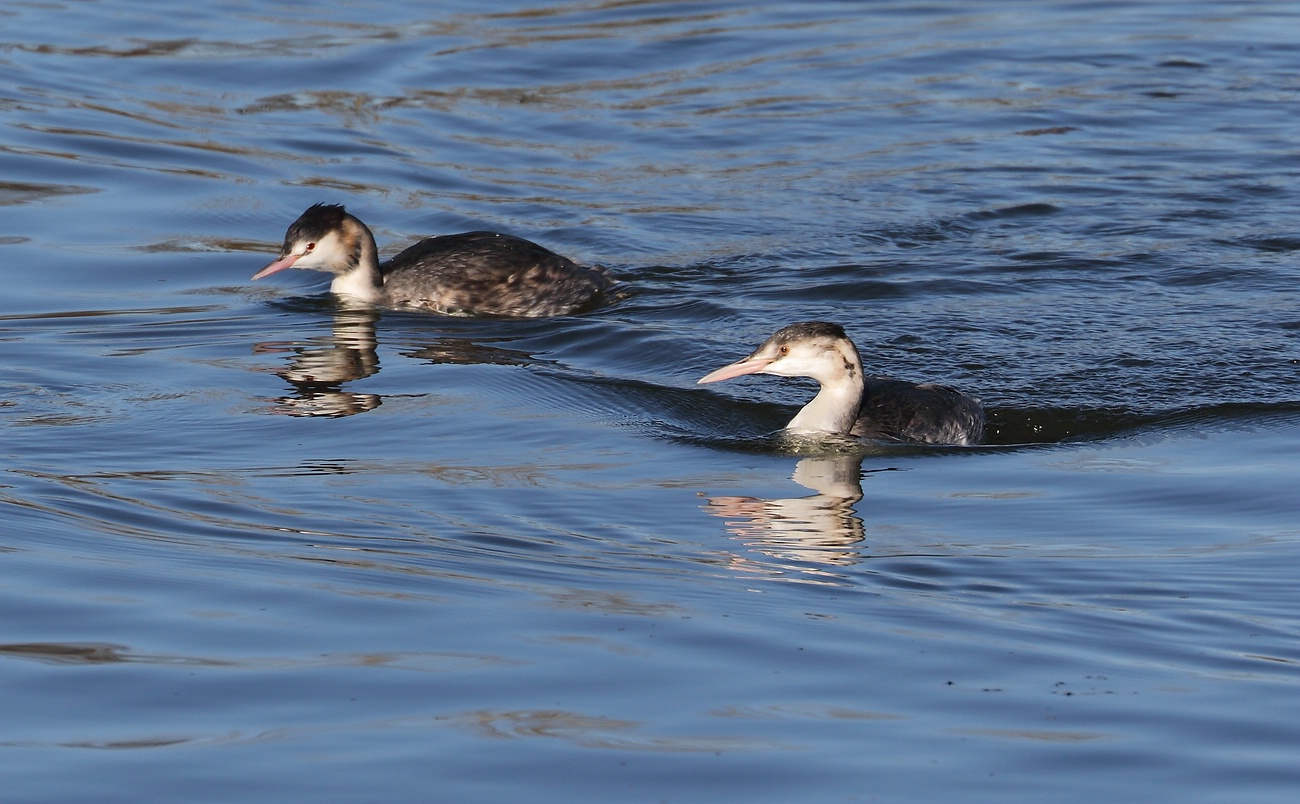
x=816, y=530
x=319, y=368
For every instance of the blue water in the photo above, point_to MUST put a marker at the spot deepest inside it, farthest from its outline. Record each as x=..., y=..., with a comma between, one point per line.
x=259, y=546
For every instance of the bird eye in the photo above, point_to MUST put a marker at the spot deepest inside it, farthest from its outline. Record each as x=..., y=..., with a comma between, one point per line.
x=785, y=350
x=310, y=246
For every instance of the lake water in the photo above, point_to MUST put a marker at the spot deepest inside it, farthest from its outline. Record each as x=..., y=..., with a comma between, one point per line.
x=261, y=547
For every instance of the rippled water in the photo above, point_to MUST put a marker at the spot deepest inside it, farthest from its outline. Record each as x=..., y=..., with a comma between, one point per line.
x=260, y=546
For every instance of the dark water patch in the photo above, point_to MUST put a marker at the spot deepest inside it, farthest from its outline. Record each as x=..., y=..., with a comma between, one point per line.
x=458, y=350
x=62, y=653
x=1032, y=210
x=846, y=283
x=1009, y=426
x=126, y=314
x=1050, y=130
x=1235, y=415
x=674, y=411
x=1281, y=244
x=312, y=304
x=25, y=193
x=1183, y=64
x=1235, y=277
x=921, y=234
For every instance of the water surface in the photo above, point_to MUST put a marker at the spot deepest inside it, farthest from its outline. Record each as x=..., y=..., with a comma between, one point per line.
x=261, y=546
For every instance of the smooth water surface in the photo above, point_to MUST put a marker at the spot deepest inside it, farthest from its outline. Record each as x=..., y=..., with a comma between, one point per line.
x=260, y=546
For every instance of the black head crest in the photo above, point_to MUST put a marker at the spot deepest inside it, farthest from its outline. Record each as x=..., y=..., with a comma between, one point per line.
x=316, y=222
x=810, y=329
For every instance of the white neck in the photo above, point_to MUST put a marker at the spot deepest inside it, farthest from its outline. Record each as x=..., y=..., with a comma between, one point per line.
x=357, y=283
x=362, y=280
x=835, y=408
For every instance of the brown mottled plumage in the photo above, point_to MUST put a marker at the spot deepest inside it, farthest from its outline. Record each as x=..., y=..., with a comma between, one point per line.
x=475, y=273
x=850, y=403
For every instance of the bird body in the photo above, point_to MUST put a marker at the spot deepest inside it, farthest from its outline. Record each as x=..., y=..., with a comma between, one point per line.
x=474, y=273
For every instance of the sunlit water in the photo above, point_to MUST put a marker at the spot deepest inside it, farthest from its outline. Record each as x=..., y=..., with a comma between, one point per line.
x=261, y=547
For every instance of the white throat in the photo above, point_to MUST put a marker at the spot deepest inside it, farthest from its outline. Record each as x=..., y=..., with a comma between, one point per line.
x=835, y=408
x=363, y=280
x=358, y=283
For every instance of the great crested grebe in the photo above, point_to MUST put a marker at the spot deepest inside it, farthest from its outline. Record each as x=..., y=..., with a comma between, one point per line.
x=850, y=403
x=475, y=273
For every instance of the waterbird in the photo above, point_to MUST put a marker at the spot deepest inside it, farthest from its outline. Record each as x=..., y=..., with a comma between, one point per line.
x=852, y=404
x=473, y=273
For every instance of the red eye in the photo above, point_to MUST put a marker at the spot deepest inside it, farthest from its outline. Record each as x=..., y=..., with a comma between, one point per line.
x=785, y=350
x=310, y=246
